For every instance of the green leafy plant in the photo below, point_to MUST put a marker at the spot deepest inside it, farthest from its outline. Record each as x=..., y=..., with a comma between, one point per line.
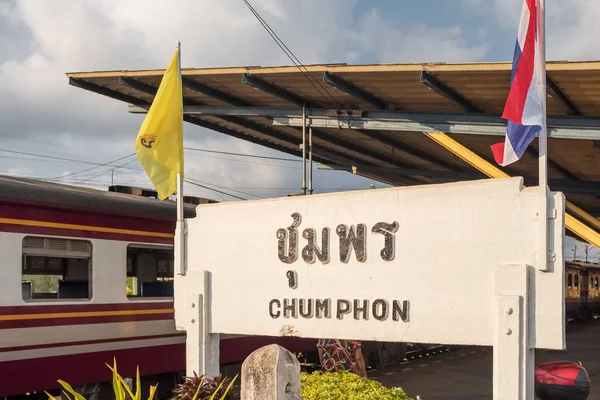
x=345, y=386
x=120, y=387
x=193, y=389
x=205, y=388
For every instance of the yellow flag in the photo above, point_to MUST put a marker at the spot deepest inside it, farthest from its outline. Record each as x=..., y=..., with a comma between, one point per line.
x=159, y=144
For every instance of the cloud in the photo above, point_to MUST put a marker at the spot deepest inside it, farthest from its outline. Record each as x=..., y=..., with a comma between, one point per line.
x=41, y=113
x=572, y=30
x=419, y=43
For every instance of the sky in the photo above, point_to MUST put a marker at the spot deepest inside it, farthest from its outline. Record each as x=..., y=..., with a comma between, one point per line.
x=65, y=130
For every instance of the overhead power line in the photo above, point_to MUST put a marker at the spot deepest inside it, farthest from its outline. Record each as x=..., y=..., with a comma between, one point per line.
x=107, y=164
x=100, y=164
x=103, y=172
x=231, y=189
x=214, y=190
x=75, y=178
x=56, y=158
x=66, y=159
x=38, y=160
x=242, y=154
x=246, y=161
x=291, y=55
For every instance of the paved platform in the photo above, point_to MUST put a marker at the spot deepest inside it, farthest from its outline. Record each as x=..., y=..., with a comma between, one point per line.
x=467, y=373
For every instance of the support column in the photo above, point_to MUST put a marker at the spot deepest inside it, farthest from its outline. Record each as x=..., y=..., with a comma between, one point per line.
x=202, y=347
x=514, y=360
x=310, y=162
x=304, y=149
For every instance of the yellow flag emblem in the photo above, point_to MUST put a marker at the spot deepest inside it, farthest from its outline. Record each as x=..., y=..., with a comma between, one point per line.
x=159, y=144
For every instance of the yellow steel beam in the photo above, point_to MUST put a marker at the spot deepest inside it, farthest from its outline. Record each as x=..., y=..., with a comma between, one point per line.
x=574, y=225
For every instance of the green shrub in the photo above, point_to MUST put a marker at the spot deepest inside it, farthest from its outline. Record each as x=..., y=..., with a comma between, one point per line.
x=345, y=386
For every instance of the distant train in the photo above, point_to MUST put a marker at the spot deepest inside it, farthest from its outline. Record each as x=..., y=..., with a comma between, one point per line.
x=87, y=275
x=582, y=289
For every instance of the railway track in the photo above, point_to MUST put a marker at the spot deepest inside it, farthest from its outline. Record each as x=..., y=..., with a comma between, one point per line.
x=429, y=352
x=423, y=353
x=410, y=356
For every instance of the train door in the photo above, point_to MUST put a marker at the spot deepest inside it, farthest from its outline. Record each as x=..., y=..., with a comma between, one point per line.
x=584, y=288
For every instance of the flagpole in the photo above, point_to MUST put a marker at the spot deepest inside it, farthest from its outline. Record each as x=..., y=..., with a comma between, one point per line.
x=181, y=228
x=543, y=145
x=543, y=141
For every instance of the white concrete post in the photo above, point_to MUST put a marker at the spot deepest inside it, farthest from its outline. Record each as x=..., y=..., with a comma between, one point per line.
x=513, y=355
x=202, y=347
x=271, y=373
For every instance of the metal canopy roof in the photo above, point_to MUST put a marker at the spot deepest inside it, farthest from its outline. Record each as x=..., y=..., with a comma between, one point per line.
x=393, y=105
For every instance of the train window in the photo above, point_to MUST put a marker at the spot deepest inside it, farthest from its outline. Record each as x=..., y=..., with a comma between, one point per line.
x=570, y=280
x=576, y=280
x=149, y=271
x=596, y=282
x=56, y=268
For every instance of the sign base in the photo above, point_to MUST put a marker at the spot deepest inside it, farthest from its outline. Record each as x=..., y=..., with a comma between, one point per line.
x=513, y=356
x=202, y=347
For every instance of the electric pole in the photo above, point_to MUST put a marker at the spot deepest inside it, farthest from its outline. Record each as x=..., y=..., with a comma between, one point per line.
x=587, y=250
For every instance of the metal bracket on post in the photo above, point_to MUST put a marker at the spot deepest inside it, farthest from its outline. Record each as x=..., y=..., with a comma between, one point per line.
x=513, y=358
x=181, y=247
x=184, y=228
x=202, y=347
x=180, y=231
x=544, y=224
x=546, y=230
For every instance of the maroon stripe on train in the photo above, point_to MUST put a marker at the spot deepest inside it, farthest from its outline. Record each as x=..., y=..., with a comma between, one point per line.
x=51, y=214
x=88, y=307
x=41, y=230
x=41, y=373
x=88, y=342
x=78, y=369
x=36, y=323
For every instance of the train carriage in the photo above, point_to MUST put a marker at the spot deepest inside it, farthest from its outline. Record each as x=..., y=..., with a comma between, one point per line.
x=87, y=275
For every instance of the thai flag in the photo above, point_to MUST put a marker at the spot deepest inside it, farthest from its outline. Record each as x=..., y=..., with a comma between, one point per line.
x=524, y=109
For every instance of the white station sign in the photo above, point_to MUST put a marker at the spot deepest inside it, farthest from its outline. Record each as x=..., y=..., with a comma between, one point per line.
x=411, y=264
